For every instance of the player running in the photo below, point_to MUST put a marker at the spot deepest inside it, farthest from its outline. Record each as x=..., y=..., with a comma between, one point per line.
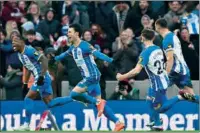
x=152, y=59
x=37, y=64
x=177, y=68
x=83, y=53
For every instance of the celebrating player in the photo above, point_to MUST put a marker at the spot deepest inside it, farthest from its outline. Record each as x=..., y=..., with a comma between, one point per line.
x=83, y=53
x=152, y=59
x=177, y=68
x=37, y=64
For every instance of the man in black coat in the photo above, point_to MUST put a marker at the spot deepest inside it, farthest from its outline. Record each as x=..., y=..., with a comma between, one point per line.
x=49, y=27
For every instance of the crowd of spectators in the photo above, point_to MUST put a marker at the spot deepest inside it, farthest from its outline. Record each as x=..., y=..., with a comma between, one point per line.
x=114, y=28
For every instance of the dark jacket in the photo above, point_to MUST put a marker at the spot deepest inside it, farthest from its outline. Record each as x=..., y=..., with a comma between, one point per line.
x=36, y=43
x=70, y=11
x=133, y=19
x=102, y=12
x=13, y=85
x=3, y=63
x=46, y=28
x=126, y=59
x=11, y=56
x=113, y=20
x=192, y=59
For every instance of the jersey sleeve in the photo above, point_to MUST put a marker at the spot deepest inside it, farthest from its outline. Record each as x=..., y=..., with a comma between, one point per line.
x=33, y=53
x=143, y=59
x=89, y=48
x=63, y=55
x=168, y=44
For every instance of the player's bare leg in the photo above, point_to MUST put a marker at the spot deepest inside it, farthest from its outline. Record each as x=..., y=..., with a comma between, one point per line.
x=31, y=95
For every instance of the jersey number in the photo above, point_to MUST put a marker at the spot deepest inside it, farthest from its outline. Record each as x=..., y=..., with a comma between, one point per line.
x=160, y=65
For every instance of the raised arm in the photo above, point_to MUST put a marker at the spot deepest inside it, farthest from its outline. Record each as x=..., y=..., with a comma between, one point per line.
x=97, y=53
x=102, y=56
x=63, y=55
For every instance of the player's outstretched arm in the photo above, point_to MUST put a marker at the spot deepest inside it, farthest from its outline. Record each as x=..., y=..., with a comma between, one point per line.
x=130, y=74
x=102, y=56
x=61, y=56
x=170, y=60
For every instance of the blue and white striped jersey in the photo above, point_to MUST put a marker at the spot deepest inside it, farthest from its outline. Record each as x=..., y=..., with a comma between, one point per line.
x=152, y=59
x=29, y=58
x=83, y=56
x=192, y=22
x=171, y=42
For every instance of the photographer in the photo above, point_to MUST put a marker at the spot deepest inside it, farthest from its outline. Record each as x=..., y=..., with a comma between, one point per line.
x=124, y=91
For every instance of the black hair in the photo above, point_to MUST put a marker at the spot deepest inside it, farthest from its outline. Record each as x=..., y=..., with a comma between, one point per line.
x=148, y=34
x=162, y=23
x=190, y=6
x=30, y=32
x=77, y=28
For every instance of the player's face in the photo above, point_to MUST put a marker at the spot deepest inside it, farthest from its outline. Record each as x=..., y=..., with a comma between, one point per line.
x=72, y=35
x=16, y=46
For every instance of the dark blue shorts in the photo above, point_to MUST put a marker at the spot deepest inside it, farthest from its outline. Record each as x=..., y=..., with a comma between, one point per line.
x=44, y=90
x=158, y=97
x=180, y=80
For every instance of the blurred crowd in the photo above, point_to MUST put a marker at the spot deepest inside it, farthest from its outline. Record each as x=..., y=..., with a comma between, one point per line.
x=112, y=27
